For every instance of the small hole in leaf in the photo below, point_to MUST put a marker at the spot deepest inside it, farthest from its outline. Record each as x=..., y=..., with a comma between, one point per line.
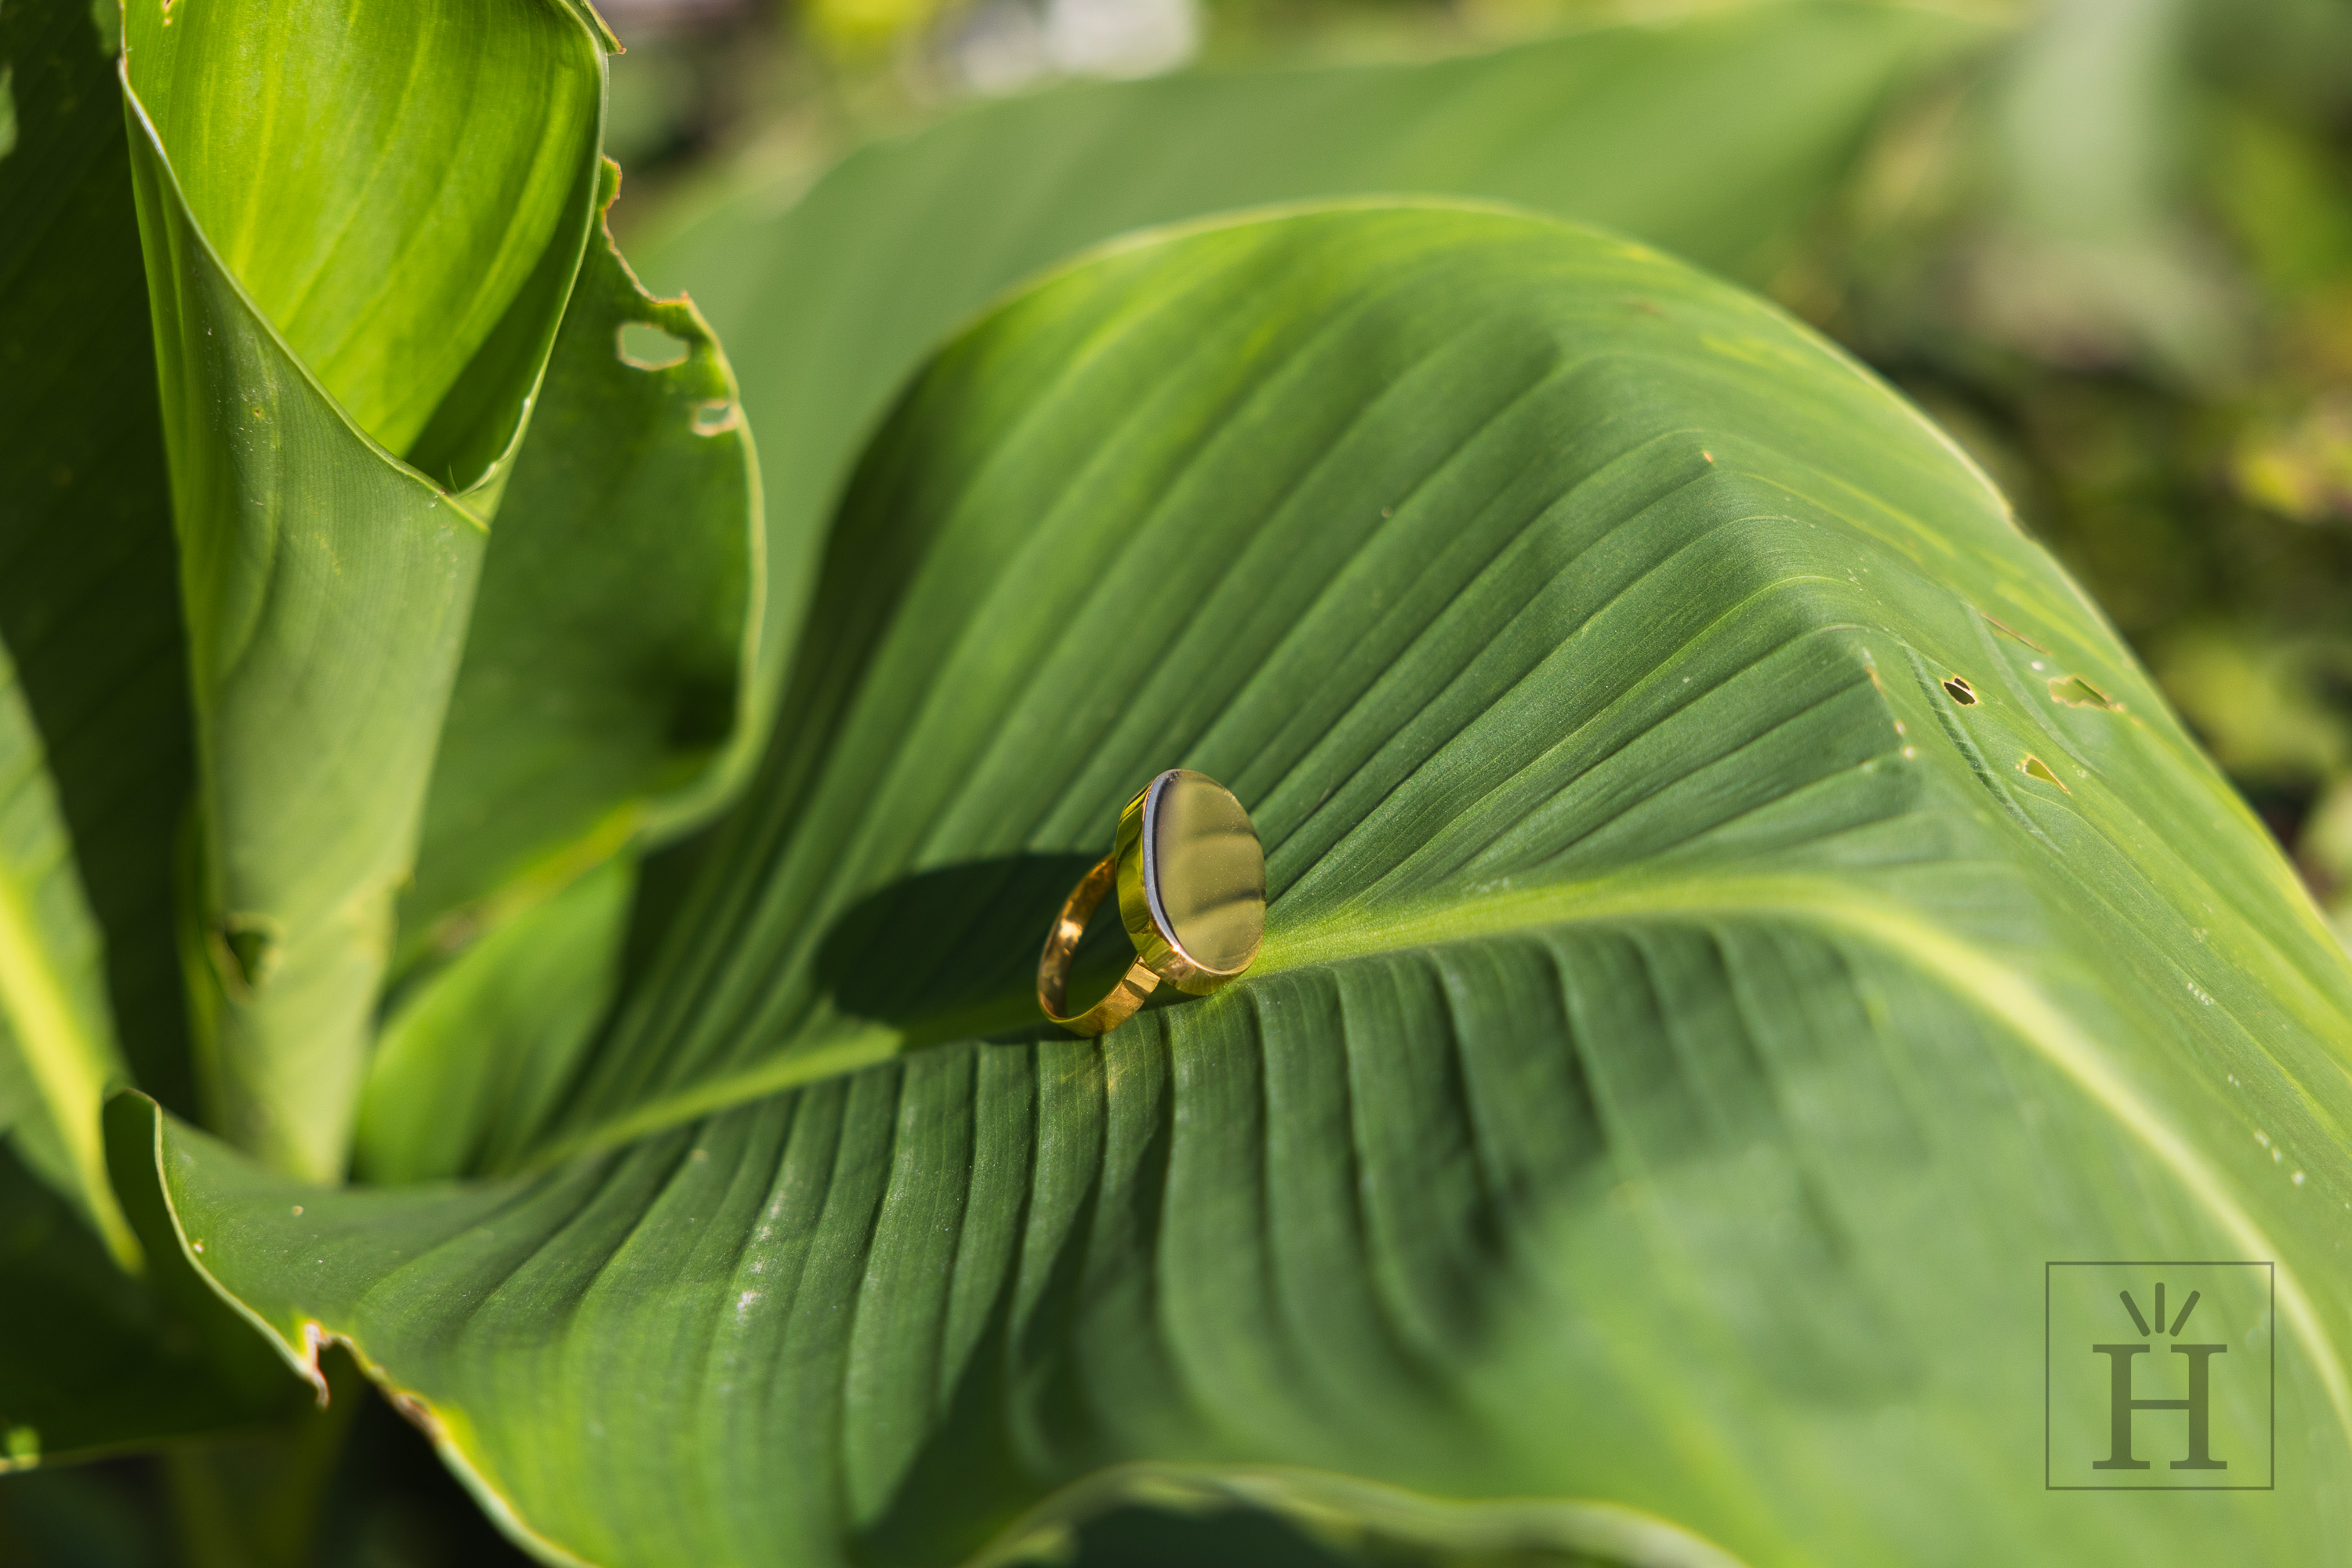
x=714, y=416
x=250, y=952
x=2033, y=767
x=648, y=347
x=2076, y=692
x=1960, y=691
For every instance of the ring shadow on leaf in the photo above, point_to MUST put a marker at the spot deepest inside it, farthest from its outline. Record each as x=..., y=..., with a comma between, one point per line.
x=952, y=951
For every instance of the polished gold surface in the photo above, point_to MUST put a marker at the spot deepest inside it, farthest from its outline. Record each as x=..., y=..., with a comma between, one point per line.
x=1205, y=872
x=1190, y=878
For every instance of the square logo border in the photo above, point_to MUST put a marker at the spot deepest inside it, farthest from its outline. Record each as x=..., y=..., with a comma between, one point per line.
x=2269, y=1266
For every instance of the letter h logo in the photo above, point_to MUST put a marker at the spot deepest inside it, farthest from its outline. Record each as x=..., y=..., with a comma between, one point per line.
x=2158, y=1376
x=2120, y=1402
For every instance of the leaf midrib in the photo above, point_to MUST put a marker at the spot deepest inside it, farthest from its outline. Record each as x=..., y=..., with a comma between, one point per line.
x=1347, y=933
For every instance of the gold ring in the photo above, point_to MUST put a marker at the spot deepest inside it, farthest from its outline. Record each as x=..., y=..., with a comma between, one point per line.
x=1192, y=893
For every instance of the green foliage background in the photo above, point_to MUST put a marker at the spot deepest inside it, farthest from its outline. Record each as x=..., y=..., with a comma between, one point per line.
x=434, y=749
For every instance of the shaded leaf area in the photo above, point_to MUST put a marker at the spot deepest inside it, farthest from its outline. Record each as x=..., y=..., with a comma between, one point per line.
x=1713, y=137
x=93, y=1360
x=59, y=1054
x=88, y=580
x=82, y=1517
x=1683, y=1033
x=388, y=1503
x=391, y=1504
x=606, y=659
x=1144, y=1516
x=327, y=584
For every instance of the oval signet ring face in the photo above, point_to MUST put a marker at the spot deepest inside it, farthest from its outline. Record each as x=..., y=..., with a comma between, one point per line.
x=1191, y=879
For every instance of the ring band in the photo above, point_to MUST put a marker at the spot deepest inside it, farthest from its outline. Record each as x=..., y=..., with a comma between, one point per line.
x=1062, y=942
x=1190, y=880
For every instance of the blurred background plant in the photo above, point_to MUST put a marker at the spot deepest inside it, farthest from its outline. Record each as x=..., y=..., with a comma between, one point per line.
x=2114, y=258
x=2117, y=264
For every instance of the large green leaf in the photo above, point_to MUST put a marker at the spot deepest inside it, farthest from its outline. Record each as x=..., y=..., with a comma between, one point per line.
x=361, y=227
x=1737, y=913
x=1714, y=136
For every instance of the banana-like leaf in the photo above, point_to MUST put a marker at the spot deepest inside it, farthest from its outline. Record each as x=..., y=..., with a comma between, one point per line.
x=1715, y=137
x=360, y=227
x=605, y=669
x=1737, y=914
